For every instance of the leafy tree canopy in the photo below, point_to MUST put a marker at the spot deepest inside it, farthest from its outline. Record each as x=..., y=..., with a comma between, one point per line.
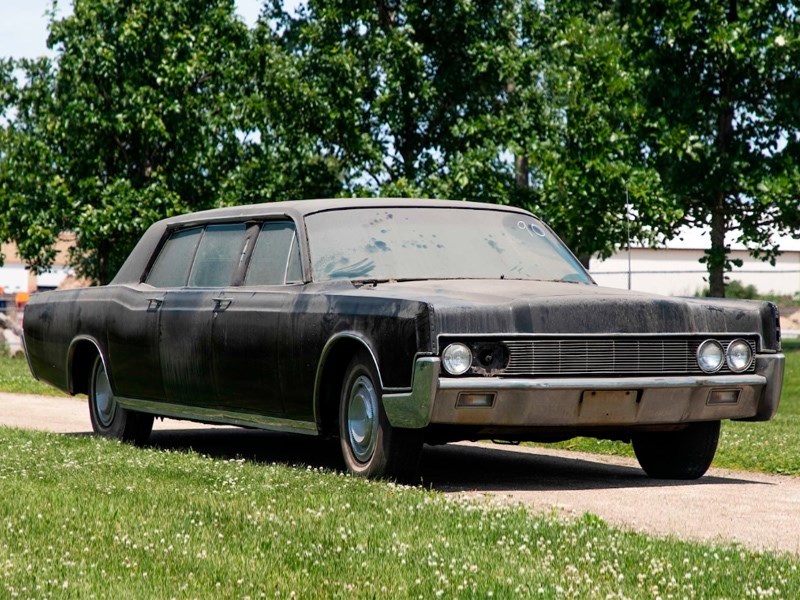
x=132, y=122
x=721, y=124
x=384, y=85
x=672, y=111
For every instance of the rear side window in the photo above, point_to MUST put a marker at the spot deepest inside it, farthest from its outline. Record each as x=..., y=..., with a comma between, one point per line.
x=218, y=255
x=276, y=256
x=171, y=268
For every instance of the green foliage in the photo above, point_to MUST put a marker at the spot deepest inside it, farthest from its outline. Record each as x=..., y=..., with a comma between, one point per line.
x=736, y=289
x=32, y=190
x=611, y=121
x=438, y=98
x=94, y=518
x=589, y=176
x=384, y=85
x=721, y=88
x=132, y=123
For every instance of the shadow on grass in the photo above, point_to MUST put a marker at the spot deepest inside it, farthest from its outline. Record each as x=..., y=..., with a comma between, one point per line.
x=449, y=468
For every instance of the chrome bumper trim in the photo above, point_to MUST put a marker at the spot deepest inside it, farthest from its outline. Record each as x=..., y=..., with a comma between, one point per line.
x=614, y=383
x=559, y=401
x=413, y=409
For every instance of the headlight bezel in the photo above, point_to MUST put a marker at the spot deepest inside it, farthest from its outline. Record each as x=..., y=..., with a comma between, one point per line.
x=703, y=353
x=739, y=342
x=464, y=358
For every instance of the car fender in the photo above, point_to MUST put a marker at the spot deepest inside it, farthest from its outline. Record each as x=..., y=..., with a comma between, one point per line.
x=335, y=340
x=85, y=369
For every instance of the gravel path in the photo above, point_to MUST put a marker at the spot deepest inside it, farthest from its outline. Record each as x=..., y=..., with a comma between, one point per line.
x=758, y=511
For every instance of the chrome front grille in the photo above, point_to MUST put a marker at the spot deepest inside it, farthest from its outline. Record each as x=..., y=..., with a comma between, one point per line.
x=620, y=356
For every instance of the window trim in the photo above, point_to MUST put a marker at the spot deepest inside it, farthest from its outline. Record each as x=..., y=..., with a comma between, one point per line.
x=295, y=241
x=253, y=228
x=160, y=248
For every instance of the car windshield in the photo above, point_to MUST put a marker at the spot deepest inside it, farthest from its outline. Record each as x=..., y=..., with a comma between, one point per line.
x=402, y=243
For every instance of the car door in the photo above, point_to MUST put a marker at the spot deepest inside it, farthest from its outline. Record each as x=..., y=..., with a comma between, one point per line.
x=134, y=320
x=132, y=326
x=248, y=344
x=188, y=314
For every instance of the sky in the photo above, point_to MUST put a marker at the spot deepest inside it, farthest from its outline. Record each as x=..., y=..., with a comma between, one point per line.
x=23, y=24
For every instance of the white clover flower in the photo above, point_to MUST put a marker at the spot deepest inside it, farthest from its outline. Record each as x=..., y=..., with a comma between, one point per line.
x=780, y=41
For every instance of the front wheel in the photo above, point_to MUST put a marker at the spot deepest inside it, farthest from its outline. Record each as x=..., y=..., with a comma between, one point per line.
x=371, y=447
x=683, y=454
x=108, y=418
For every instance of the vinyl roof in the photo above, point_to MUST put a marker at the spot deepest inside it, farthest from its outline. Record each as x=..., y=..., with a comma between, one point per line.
x=301, y=208
x=133, y=268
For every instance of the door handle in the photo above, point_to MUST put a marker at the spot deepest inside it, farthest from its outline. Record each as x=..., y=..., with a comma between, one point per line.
x=221, y=304
x=154, y=303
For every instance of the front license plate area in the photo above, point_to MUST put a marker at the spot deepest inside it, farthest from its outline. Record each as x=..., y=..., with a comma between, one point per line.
x=608, y=406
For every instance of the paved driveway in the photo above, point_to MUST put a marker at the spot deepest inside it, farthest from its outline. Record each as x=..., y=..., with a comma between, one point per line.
x=758, y=511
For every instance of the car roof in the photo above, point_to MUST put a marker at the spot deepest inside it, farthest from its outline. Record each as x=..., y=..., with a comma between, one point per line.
x=301, y=208
x=133, y=268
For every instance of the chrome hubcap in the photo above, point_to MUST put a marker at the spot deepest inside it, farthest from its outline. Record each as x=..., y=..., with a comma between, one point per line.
x=362, y=418
x=104, y=402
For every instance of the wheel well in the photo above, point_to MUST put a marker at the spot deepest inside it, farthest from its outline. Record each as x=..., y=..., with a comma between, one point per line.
x=330, y=383
x=83, y=356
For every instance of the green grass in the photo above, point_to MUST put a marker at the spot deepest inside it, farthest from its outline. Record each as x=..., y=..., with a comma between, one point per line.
x=83, y=517
x=15, y=377
x=771, y=446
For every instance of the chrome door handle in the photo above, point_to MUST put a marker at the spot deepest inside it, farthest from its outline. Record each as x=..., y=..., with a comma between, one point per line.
x=154, y=303
x=221, y=304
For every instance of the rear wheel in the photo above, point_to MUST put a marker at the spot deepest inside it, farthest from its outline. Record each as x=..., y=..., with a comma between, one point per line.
x=108, y=418
x=684, y=454
x=371, y=447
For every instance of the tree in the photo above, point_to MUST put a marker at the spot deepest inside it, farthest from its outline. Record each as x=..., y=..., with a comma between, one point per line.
x=721, y=88
x=384, y=85
x=135, y=120
x=437, y=98
x=32, y=196
x=587, y=172
x=559, y=137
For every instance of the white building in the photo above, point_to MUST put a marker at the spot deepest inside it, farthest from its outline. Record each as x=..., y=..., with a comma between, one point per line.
x=676, y=270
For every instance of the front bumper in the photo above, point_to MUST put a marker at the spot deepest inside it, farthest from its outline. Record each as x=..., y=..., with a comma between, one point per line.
x=587, y=401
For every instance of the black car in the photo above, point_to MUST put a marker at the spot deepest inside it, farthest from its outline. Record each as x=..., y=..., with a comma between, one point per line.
x=392, y=323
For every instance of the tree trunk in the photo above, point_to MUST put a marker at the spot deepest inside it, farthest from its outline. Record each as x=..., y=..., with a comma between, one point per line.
x=718, y=253
x=102, y=253
x=521, y=172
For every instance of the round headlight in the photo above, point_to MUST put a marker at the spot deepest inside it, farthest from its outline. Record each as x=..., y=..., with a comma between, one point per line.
x=710, y=356
x=456, y=359
x=739, y=355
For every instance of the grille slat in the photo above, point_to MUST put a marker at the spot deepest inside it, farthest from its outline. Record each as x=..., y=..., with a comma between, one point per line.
x=608, y=356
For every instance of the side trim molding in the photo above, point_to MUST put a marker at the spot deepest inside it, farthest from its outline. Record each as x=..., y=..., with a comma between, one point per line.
x=223, y=417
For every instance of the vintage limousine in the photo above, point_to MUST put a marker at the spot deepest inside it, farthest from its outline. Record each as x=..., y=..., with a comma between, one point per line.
x=393, y=323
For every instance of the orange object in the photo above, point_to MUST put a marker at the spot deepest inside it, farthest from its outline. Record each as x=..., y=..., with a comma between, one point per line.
x=22, y=298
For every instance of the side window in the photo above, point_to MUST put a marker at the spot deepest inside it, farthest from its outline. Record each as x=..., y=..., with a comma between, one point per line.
x=171, y=268
x=218, y=255
x=276, y=256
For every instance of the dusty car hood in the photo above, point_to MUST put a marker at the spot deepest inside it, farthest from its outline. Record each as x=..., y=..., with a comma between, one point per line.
x=512, y=306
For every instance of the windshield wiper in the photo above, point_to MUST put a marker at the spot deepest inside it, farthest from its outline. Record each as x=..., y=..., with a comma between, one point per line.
x=374, y=282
